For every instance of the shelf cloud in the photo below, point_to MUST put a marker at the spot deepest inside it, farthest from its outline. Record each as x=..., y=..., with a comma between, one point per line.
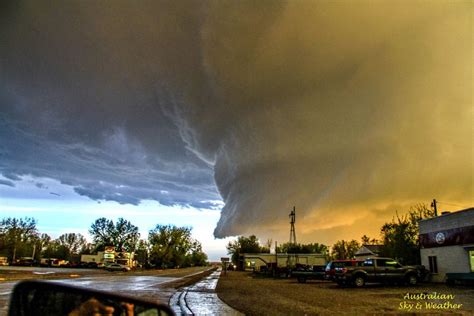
x=346, y=110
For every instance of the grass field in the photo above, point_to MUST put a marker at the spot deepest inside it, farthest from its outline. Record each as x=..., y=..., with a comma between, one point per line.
x=256, y=295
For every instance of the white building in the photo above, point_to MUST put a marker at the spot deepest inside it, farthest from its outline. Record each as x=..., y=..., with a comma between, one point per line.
x=447, y=246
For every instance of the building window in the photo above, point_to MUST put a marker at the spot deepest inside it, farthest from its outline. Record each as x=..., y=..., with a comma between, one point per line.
x=471, y=259
x=433, y=264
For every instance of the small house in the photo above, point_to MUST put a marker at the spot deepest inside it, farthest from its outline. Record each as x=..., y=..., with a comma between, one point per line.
x=368, y=251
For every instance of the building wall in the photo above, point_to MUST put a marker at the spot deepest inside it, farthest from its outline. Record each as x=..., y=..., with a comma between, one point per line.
x=449, y=259
x=93, y=258
x=450, y=250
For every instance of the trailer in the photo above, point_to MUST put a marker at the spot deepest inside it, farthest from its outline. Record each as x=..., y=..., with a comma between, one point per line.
x=103, y=258
x=281, y=263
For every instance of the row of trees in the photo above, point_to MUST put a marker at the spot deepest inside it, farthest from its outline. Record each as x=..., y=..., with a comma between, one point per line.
x=399, y=239
x=166, y=246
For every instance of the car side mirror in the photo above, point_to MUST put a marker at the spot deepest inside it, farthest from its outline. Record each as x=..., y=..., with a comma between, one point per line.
x=46, y=298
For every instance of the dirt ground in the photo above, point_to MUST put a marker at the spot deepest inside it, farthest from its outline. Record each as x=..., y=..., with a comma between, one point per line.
x=257, y=295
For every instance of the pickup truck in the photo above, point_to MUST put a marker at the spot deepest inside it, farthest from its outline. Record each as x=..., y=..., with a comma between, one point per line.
x=335, y=265
x=379, y=270
x=302, y=274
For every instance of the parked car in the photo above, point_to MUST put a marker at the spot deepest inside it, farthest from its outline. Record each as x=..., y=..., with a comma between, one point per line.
x=380, y=270
x=24, y=261
x=335, y=265
x=46, y=262
x=89, y=265
x=3, y=261
x=59, y=263
x=117, y=267
x=304, y=273
x=73, y=264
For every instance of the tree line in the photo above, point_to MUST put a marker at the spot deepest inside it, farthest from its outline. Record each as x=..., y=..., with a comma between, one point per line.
x=167, y=246
x=398, y=239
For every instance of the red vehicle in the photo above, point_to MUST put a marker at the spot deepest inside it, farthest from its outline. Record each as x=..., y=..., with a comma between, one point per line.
x=336, y=265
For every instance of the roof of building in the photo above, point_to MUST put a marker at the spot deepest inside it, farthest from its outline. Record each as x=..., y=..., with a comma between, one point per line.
x=455, y=220
x=471, y=209
x=374, y=248
x=369, y=250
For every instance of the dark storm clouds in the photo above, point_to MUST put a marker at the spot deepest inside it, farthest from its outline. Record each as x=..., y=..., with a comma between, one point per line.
x=340, y=108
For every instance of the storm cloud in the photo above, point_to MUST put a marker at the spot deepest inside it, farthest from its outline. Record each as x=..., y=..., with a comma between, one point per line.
x=345, y=109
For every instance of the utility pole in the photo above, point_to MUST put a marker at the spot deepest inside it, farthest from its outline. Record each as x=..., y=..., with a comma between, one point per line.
x=433, y=205
x=276, y=260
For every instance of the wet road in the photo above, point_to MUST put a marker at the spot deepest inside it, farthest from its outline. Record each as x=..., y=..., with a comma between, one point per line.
x=49, y=270
x=143, y=287
x=201, y=299
x=197, y=299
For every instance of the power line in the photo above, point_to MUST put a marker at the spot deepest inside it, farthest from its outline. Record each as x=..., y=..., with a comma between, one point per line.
x=451, y=204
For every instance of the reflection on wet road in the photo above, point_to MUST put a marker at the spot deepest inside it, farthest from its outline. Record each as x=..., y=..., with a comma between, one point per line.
x=201, y=299
x=143, y=287
x=118, y=283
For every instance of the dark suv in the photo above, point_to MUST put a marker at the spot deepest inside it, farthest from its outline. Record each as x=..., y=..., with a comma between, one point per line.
x=336, y=265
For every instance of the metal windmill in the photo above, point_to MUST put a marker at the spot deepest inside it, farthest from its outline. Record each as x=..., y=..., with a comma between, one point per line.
x=292, y=227
x=292, y=258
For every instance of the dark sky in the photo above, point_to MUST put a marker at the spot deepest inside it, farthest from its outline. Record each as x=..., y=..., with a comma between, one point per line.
x=349, y=110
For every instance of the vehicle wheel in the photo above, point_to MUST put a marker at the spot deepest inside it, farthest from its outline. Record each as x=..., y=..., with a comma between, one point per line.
x=412, y=280
x=359, y=281
x=302, y=280
x=124, y=270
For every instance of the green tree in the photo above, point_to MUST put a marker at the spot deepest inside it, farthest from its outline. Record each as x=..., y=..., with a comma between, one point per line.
x=244, y=245
x=197, y=257
x=344, y=249
x=44, y=240
x=52, y=251
x=18, y=236
x=101, y=231
x=40, y=243
x=366, y=240
x=169, y=245
x=87, y=249
x=123, y=235
x=141, y=255
x=302, y=248
x=400, y=236
x=70, y=244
